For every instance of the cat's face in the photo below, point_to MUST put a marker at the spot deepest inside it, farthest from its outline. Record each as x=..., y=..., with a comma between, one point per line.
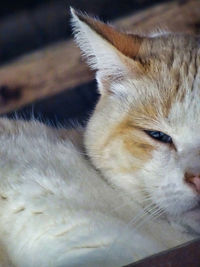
x=144, y=135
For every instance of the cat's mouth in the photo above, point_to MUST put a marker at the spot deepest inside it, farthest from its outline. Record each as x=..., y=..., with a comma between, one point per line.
x=196, y=207
x=191, y=219
x=194, y=210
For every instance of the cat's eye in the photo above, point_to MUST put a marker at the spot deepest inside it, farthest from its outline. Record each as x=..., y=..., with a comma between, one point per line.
x=160, y=136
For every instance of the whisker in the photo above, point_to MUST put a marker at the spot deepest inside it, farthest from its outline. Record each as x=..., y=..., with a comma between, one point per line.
x=155, y=214
x=137, y=219
x=142, y=202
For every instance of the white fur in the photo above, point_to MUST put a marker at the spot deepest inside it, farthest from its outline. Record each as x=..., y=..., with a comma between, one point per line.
x=55, y=208
x=98, y=52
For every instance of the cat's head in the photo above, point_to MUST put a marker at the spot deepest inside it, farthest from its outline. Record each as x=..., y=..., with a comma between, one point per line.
x=144, y=135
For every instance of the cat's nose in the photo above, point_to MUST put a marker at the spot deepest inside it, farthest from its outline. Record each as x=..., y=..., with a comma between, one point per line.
x=193, y=181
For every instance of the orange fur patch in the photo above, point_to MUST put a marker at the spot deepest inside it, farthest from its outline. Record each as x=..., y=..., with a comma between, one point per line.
x=134, y=142
x=137, y=145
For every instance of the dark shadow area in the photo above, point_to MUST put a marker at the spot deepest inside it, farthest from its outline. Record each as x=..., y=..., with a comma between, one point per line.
x=66, y=108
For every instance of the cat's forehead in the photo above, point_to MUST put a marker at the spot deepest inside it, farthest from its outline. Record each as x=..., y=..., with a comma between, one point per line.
x=179, y=77
x=171, y=58
x=170, y=89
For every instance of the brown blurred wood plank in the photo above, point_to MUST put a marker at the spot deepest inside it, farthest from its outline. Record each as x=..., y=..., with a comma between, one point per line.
x=41, y=74
x=59, y=67
x=187, y=255
x=174, y=16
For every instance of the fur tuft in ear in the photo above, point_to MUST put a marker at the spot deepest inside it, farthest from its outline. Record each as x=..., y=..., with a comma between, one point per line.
x=105, y=48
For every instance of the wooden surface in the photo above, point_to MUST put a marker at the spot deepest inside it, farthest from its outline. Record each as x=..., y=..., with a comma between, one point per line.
x=59, y=67
x=184, y=256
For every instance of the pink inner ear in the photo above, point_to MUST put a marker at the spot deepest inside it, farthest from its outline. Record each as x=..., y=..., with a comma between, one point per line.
x=196, y=182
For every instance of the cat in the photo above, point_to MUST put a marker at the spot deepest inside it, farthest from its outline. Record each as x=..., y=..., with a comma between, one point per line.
x=125, y=187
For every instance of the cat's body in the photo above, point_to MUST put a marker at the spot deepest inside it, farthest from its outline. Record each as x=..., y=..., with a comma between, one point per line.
x=56, y=210
x=121, y=194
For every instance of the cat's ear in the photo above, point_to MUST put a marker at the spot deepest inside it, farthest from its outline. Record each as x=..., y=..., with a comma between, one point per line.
x=107, y=50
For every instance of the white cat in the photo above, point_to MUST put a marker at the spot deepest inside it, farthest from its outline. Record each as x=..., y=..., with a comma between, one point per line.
x=131, y=189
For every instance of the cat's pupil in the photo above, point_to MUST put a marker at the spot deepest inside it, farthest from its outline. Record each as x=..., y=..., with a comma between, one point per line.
x=160, y=136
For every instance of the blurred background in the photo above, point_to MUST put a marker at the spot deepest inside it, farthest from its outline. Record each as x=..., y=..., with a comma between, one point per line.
x=31, y=24
x=41, y=71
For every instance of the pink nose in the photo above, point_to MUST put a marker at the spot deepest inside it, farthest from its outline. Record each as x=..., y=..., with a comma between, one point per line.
x=193, y=180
